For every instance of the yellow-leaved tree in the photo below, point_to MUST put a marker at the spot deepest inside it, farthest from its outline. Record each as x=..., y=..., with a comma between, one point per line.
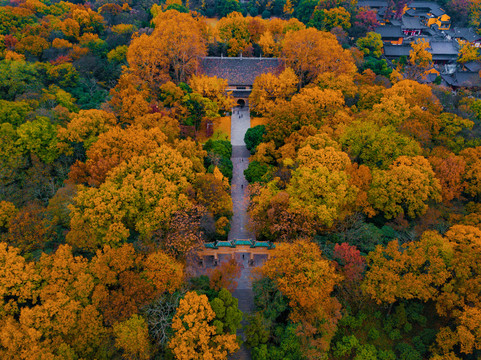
x=139, y=195
x=195, y=337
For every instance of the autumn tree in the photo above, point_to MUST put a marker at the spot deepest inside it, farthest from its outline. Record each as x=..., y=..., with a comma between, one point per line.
x=450, y=131
x=187, y=231
x=86, y=126
x=472, y=175
x=233, y=30
x=213, y=192
x=404, y=279
x=352, y=265
x=140, y=195
x=224, y=275
x=214, y=89
x=130, y=97
x=18, y=281
x=29, y=229
x=171, y=52
x=307, y=280
x=166, y=123
x=467, y=53
x=377, y=146
x=420, y=59
x=113, y=147
x=63, y=319
x=132, y=336
x=311, y=106
x=268, y=88
x=125, y=280
x=195, y=337
x=415, y=94
x=320, y=186
x=405, y=188
x=442, y=269
x=7, y=212
x=310, y=52
x=272, y=217
x=449, y=169
x=269, y=45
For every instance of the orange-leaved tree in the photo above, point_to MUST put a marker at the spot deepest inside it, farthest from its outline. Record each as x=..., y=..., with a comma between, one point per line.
x=310, y=52
x=172, y=51
x=307, y=279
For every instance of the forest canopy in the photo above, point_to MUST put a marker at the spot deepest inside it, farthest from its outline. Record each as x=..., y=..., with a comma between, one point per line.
x=364, y=182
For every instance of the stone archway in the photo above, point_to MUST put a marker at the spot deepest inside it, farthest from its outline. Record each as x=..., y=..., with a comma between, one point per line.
x=241, y=102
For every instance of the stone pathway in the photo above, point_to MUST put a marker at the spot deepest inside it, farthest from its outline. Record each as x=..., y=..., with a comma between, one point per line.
x=240, y=122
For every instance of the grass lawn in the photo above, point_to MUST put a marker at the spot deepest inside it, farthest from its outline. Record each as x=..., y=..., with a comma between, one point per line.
x=222, y=127
x=257, y=121
x=221, y=130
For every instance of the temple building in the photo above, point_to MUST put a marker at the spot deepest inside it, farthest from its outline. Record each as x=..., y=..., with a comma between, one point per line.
x=240, y=72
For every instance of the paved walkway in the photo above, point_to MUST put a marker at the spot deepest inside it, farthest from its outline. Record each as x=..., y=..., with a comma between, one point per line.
x=240, y=122
x=240, y=160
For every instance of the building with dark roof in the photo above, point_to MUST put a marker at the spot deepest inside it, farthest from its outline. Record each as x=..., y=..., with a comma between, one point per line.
x=462, y=79
x=473, y=66
x=428, y=7
x=465, y=35
x=240, y=72
x=396, y=51
x=412, y=26
x=443, y=51
x=373, y=4
x=391, y=34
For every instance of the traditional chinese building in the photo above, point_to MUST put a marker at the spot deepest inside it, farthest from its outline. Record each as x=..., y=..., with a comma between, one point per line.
x=240, y=72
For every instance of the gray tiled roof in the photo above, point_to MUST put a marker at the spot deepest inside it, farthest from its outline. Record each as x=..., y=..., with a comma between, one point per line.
x=464, y=33
x=443, y=47
x=372, y=3
x=473, y=66
x=463, y=79
x=409, y=22
x=396, y=50
x=434, y=8
x=388, y=31
x=239, y=71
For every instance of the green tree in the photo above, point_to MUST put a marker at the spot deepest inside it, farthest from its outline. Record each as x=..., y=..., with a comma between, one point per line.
x=132, y=336
x=225, y=7
x=17, y=78
x=377, y=146
x=39, y=137
x=258, y=172
x=228, y=317
x=253, y=137
x=371, y=44
x=14, y=112
x=256, y=332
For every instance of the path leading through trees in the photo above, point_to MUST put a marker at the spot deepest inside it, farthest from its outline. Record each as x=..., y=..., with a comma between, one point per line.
x=240, y=122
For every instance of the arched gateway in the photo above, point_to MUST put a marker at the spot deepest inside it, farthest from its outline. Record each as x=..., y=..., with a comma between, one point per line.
x=233, y=247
